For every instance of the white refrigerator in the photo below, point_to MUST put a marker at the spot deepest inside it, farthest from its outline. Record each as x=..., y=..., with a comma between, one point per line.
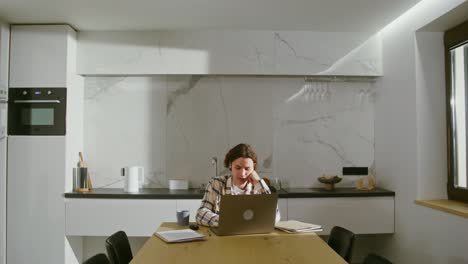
x=4, y=58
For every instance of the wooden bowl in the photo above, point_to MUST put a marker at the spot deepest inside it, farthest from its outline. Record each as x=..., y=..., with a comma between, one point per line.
x=329, y=182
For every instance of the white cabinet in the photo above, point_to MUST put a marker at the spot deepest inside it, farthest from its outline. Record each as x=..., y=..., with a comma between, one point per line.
x=362, y=215
x=239, y=52
x=137, y=217
x=103, y=217
x=4, y=57
x=141, y=217
x=35, y=215
x=39, y=55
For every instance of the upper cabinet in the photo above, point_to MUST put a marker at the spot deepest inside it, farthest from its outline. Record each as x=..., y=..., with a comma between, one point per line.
x=229, y=52
x=4, y=55
x=38, y=56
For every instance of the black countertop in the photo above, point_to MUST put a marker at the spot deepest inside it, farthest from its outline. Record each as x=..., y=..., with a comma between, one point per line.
x=160, y=193
x=148, y=193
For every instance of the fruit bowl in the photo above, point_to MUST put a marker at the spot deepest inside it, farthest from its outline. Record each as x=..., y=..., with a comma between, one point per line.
x=329, y=182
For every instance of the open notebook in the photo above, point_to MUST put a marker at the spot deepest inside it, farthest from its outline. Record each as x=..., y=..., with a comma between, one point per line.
x=293, y=226
x=177, y=236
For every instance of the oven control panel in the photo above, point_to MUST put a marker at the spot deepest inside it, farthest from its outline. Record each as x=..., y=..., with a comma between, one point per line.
x=37, y=93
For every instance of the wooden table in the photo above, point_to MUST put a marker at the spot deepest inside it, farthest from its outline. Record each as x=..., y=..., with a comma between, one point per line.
x=276, y=247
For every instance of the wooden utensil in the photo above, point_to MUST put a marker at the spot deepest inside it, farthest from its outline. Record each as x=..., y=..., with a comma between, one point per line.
x=82, y=164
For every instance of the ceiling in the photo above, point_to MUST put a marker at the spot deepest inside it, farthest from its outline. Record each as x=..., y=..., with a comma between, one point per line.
x=313, y=15
x=450, y=19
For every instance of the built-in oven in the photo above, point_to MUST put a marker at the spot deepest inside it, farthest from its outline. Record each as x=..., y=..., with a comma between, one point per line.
x=37, y=111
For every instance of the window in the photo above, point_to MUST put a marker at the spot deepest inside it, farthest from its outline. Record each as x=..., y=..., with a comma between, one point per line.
x=456, y=75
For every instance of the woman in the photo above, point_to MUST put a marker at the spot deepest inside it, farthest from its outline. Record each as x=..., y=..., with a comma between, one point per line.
x=241, y=161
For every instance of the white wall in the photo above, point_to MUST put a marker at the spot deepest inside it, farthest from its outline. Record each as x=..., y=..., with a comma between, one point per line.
x=430, y=102
x=410, y=141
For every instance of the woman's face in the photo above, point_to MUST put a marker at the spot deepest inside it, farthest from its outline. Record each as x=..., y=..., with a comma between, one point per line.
x=241, y=169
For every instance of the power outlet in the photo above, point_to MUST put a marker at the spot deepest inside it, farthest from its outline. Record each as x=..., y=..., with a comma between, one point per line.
x=355, y=171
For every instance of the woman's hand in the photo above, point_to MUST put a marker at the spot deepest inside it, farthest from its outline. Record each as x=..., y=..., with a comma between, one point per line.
x=254, y=178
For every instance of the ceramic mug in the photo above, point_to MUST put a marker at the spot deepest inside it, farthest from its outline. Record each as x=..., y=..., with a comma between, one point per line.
x=183, y=217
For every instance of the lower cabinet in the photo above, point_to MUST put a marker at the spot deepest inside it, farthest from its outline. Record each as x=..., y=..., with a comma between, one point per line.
x=362, y=215
x=141, y=217
x=103, y=217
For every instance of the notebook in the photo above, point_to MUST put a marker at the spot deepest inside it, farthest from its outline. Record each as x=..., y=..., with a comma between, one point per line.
x=246, y=214
x=293, y=226
x=177, y=236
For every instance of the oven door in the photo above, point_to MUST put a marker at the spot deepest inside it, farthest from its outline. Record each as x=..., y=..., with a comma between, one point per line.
x=36, y=117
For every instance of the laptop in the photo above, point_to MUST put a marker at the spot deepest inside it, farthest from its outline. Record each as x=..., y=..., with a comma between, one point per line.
x=246, y=214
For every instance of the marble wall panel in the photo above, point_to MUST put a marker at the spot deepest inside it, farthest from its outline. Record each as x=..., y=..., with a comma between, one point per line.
x=124, y=125
x=175, y=125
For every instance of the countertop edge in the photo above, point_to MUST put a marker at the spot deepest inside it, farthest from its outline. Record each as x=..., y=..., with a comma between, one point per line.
x=284, y=193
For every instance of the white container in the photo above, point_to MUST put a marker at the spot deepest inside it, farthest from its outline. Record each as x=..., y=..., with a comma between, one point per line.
x=178, y=185
x=134, y=178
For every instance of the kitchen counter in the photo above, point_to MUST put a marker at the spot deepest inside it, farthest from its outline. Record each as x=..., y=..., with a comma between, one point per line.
x=113, y=209
x=160, y=193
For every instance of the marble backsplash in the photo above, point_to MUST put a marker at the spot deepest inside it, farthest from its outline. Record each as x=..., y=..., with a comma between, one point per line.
x=175, y=125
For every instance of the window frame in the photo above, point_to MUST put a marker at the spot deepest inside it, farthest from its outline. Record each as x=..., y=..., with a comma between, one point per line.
x=453, y=37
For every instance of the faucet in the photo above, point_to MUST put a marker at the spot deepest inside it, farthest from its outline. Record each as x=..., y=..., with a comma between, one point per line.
x=214, y=161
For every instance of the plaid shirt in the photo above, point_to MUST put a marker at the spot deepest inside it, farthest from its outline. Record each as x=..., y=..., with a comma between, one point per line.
x=208, y=213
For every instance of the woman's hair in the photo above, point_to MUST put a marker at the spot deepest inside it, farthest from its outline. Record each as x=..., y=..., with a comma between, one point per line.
x=240, y=151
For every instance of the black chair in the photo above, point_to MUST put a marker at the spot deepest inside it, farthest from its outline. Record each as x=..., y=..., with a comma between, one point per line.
x=341, y=241
x=375, y=259
x=97, y=259
x=118, y=248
